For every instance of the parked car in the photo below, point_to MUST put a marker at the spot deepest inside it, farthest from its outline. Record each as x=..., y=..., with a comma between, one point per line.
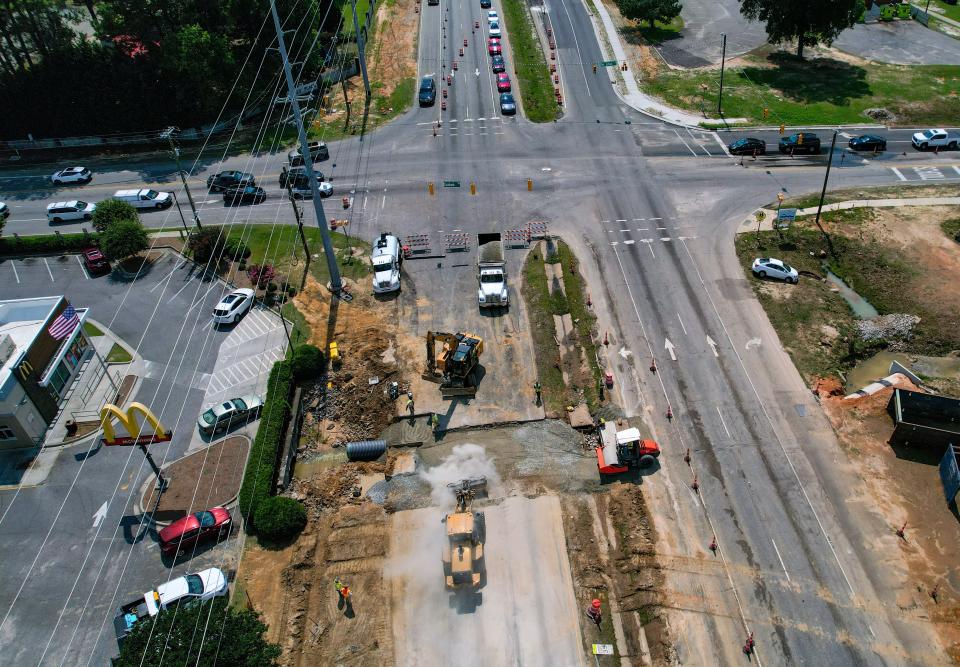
x=428, y=91
x=244, y=194
x=229, y=179
x=297, y=173
x=508, y=106
x=233, y=306
x=183, y=534
x=801, y=142
x=145, y=198
x=503, y=83
x=224, y=415
x=868, y=142
x=62, y=211
x=4, y=211
x=494, y=29
x=318, y=153
x=768, y=267
x=497, y=64
x=748, y=146
x=72, y=175
x=935, y=138
x=95, y=262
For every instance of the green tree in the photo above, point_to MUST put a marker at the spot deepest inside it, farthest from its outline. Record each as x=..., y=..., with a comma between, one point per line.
x=279, y=518
x=208, y=243
x=110, y=211
x=650, y=10
x=32, y=30
x=807, y=22
x=205, y=634
x=124, y=238
x=201, y=63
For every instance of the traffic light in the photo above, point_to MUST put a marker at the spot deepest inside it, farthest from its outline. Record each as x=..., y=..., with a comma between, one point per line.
x=783, y=128
x=766, y=112
x=800, y=139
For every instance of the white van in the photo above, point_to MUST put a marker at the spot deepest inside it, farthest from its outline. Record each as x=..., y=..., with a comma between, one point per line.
x=63, y=211
x=386, y=262
x=144, y=198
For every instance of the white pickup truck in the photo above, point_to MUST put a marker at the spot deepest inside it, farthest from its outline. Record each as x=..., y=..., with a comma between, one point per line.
x=935, y=138
x=491, y=272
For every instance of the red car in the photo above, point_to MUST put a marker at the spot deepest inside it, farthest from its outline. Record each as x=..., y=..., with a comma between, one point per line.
x=494, y=50
x=492, y=40
x=181, y=535
x=503, y=83
x=95, y=261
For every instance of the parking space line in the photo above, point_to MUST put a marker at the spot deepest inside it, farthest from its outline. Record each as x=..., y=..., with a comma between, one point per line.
x=82, y=267
x=13, y=264
x=48, y=269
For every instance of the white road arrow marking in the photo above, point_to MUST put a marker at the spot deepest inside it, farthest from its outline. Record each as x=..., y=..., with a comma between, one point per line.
x=753, y=342
x=713, y=346
x=624, y=352
x=100, y=514
x=668, y=346
x=477, y=71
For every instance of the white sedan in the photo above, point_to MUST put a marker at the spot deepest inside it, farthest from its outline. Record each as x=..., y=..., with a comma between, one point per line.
x=192, y=587
x=72, y=175
x=492, y=16
x=233, y=306
x=325, y=187
x=224, y=415
x=495, y=29
x=768, y=267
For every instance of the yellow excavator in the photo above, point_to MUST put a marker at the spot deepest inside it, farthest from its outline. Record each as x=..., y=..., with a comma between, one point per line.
x=455, y=366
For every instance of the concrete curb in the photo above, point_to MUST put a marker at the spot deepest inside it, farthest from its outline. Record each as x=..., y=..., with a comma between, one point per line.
x=139, y=510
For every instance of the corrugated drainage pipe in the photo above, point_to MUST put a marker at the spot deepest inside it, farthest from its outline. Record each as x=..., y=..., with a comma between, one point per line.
x=366, y=450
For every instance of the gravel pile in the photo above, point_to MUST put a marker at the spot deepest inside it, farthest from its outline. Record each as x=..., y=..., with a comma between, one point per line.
x=893, y=327
x=378, y=492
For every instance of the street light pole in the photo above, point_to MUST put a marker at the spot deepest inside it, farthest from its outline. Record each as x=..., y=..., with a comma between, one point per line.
x=168, y=134
x=303, y=236
x=336, y=284
x=723, y=62
x=823, y=192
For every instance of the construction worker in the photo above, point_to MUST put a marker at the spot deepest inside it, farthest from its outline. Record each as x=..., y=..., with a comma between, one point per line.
x=537, y=388
x=339, y=586
x=434, y=421
x=410, y=402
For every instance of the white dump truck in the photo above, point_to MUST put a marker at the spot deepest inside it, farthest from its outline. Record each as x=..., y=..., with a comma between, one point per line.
x=491, y=272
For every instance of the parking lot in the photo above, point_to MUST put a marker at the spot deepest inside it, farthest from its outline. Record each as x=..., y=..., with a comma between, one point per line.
x=77, y=538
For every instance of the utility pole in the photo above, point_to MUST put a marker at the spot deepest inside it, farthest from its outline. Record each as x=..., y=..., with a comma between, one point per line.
x=183, y=220
x=336, y=284
x=303, y=237
x=823, y=193
x=723, y=62
x=168, y=134
x=360, y=48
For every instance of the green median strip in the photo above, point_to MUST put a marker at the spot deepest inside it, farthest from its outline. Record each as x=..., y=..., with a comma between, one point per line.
x=536, y=90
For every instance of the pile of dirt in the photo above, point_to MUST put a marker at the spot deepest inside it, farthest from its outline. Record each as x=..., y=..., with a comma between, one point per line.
x=335, y=486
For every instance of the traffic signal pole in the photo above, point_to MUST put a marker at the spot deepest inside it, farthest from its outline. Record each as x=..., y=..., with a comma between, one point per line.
x=336, y=283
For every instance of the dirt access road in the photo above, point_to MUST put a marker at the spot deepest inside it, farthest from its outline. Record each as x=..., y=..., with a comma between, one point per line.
x=528, y=614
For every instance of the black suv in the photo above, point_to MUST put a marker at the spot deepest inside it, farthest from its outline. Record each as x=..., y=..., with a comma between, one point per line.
x=243, y=194
x=428, y=91
x=297, y=174
x=802, y=142
x=229, y=179
x=318, y=152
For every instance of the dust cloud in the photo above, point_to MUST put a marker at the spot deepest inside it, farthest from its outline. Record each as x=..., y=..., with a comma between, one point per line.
x=465, y=461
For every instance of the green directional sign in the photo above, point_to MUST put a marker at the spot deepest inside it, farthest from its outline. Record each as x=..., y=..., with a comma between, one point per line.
x=609, y=63
x=451, y=184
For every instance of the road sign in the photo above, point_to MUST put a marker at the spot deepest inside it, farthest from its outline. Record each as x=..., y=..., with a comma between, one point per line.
x=603, y=649
x=785, y=216
x=609, y=63
x=451, y=184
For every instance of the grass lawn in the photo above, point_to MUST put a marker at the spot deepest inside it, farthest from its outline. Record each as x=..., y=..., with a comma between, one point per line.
x=536, y=89
x=91, y=329
x=658, y=34
x=885, y=192
x=816, y=90
x=118, y=355
x=346, y=9
x=301, y=330
x=876, y=268
x=951, y=228
x=950, y=11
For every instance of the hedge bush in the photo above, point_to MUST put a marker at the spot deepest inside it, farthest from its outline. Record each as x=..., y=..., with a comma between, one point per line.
x=307, y=362
x=279, y=518
x=110, y=211
x=237, y=250
x=258, y=479
x=47, y=243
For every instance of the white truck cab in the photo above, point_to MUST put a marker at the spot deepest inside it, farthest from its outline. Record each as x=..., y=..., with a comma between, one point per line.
x=491, y=272
x=386, y=261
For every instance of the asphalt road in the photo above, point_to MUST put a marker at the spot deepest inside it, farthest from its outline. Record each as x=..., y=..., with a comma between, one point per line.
x=651, y=210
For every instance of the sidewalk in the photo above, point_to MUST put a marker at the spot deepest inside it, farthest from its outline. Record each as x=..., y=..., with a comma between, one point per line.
x=750, y=224
x=634, y=96
x=939, y=17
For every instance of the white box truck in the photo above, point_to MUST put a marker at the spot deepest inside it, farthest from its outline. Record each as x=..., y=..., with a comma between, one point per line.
x=491, y=272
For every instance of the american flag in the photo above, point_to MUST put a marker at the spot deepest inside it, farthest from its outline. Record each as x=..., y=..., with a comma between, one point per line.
x=65, y=324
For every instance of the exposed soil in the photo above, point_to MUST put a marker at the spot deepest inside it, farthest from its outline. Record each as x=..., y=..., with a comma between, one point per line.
x=392, y=55
x=206, y=478
x=904, y=486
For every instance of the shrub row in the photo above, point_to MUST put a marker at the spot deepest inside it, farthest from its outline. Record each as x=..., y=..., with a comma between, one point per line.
x=258, y=479
x=47, y=243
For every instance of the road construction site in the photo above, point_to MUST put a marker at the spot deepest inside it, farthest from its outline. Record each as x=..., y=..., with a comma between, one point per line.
x=553, y=535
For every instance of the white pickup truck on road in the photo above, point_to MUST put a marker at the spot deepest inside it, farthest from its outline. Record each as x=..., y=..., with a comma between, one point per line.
x=491, y=272
x=936, y=138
